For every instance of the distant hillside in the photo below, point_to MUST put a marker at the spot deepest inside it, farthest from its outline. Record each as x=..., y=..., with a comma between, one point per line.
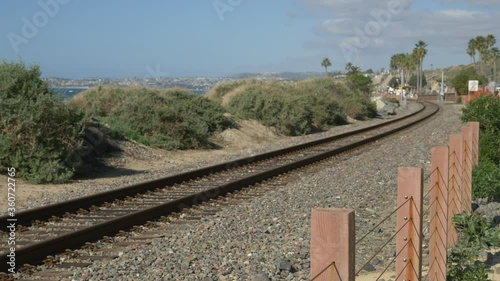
x=278, y=75
x=434, y=76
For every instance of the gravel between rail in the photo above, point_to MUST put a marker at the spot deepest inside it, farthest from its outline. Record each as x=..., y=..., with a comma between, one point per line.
x=267, y=238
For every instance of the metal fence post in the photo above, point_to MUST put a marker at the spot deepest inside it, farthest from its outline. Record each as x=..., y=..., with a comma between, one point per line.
x=332, y=245
x=439, y=220
x=409, y=224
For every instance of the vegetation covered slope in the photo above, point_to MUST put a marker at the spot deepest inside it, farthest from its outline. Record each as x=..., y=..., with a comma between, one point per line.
x=294, y=108
x=39, y=133
x=174, y=119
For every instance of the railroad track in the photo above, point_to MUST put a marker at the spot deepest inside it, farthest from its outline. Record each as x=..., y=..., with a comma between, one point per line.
x=55, y=228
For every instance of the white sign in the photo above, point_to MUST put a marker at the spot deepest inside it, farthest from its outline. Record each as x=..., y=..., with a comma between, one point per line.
x=473, y=85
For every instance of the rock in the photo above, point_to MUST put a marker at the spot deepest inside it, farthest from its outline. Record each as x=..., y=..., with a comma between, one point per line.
x=260, y=277
x=490, y=211
x=376, y=261
x=284, y=265
x=474, y=206
x=496, y=221
x=369, y=267
x=482, y=201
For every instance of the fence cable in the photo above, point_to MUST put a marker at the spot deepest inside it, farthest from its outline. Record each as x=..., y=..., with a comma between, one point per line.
x=324, y=269
x=429, y=175
x=426, y=194
x=456, y=160
x=385, y=244
x=393, y=260
x=402, y=270
x=386, y=218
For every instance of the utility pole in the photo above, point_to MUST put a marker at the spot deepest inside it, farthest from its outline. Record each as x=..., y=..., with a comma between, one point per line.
x=442, y=86
x=494, y=75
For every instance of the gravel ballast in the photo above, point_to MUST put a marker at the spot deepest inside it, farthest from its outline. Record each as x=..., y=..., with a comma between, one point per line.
x=268, y=238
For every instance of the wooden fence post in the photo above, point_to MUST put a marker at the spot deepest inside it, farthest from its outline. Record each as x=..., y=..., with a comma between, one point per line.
x=454, y=185
x=475, y=142
x=409, y=224
x=332, y=245
x=439, y=220
x=467, y=169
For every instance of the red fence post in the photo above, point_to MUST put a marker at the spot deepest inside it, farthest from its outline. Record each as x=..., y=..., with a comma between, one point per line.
x=332, y=245
x=475, y=142
x=409, y=224
x=454, y=185
x=467, y=169
x=439, y=220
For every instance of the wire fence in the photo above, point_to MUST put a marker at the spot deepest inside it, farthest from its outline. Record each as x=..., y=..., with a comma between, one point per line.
x=449, y=193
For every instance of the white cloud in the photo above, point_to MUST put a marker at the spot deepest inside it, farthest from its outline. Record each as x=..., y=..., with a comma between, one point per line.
x=374, y=31
x=475, y=3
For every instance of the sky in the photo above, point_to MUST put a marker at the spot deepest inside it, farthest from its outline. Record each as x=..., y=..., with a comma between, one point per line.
x=132, y=38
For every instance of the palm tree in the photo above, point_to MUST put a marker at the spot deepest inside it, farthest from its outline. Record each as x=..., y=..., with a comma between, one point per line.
x=410, y=65
x=348, y=67
x=482, y=48
x=326, y=63
x=490, y=40
x=495, y=55
x=471, y=51
x=420, y=52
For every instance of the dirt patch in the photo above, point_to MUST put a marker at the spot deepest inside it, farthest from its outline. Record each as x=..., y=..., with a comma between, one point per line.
x=250, y=133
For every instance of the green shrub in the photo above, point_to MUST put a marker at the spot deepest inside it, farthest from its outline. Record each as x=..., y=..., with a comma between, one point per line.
x=486, y=180
x=486, y=176
x=359, y=82
x=359, y=106
x=459, y=100
x=474, y=235
x=298, y=109
x=486, y=111
x=40, y=134
x=174, y=119
x=489, y=147
x=460, y=81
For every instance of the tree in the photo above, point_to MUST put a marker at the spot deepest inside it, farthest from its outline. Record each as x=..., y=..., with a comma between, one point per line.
x=326, y=63
x=485, y=47
x=481, y=46
x=495, y=54
x=369, y=71
x=413, y=80
x=461, y=81
x=471, y=51
x=402, y=63
x=419, y=52
x=351, y=68
x=359, y=82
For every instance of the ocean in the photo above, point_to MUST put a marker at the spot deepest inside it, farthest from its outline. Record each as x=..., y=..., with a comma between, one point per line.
x=68, y=93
